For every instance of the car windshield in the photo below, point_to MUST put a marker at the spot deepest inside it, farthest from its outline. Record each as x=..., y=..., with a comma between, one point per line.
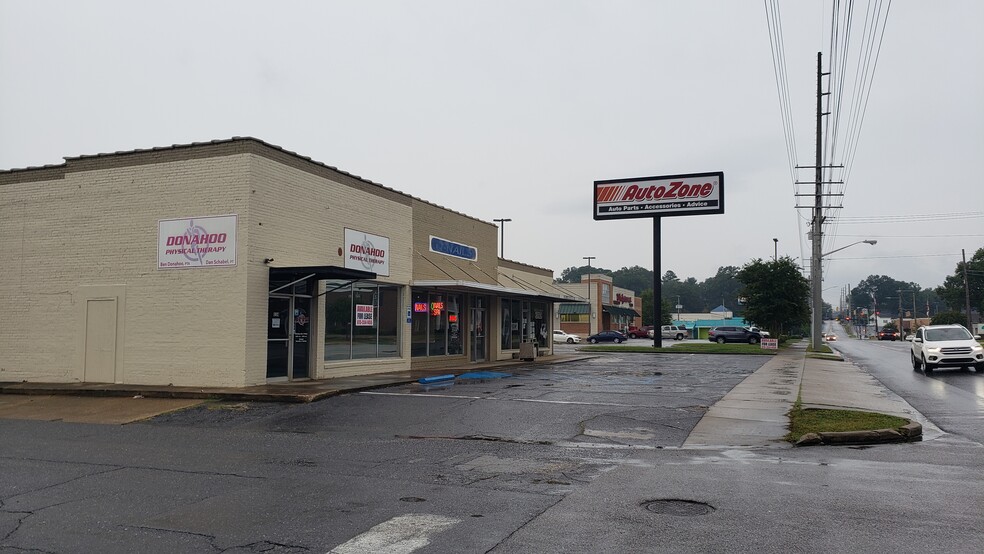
x=948, y=333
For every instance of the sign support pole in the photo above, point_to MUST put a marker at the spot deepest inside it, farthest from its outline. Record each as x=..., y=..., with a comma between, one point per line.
x=657, y=286
x=659, y=197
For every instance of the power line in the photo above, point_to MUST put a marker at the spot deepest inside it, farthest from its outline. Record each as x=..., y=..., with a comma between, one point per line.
x=955, y=255
x=908, y=236
x=907, y=218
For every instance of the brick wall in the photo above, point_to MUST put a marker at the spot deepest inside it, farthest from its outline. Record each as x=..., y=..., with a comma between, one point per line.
x=99, y=227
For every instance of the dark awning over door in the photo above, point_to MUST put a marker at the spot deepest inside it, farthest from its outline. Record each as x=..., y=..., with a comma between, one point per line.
x=318, y=272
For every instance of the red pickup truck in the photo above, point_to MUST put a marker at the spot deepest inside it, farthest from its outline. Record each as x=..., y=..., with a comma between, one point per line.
x=646, y=331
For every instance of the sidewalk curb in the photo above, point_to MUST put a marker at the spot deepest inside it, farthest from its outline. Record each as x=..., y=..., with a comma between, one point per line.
x=301, y=392
x=911, y=432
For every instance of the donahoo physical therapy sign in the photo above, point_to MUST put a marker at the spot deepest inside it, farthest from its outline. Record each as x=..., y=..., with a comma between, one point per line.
x=197, y=242
x=367, y=252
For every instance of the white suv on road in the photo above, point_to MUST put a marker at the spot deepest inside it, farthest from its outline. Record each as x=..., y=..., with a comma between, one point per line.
x=947, y=346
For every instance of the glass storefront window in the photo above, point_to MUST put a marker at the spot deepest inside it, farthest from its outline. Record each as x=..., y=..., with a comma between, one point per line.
x=539, y=317
x=418, y=331
x=436, y=324
x=574, y=318
x=437, y=327
x=361, y=321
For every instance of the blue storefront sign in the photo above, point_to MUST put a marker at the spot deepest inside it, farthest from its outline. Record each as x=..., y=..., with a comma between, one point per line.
x=449, y=248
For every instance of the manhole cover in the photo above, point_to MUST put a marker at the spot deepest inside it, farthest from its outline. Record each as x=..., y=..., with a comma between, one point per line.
x=672, y=507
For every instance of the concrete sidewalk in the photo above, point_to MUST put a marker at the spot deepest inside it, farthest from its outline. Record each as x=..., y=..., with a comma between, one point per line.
x=753, y=414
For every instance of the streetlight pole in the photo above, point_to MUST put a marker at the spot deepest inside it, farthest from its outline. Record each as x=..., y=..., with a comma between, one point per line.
x=816, y=275
x=590, y=310
x=775, y=255
x=502, y=236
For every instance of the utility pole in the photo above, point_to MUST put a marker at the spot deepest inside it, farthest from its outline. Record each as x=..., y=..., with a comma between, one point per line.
x=816, y=277
x=502, y=236
x=590, y=311
x=970, y=322
x=900, y=313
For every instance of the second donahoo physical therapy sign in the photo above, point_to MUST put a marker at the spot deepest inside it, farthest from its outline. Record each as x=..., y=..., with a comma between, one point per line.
x=670, y=195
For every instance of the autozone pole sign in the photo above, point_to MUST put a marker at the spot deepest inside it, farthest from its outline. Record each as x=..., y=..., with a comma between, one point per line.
x=669, y=195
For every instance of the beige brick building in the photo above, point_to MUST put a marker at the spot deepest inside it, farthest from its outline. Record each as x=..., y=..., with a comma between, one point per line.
x=236, y=262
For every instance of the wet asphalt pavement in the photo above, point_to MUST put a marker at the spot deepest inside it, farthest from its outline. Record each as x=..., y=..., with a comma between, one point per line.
x=622, y=399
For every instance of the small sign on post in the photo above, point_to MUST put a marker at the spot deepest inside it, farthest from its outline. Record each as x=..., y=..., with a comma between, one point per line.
x=770, y=344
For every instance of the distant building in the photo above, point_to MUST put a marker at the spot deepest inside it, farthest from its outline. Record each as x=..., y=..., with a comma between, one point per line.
x=601, y=306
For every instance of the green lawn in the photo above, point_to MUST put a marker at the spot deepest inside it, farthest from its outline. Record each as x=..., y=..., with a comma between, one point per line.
x=688, y=348
x=803, y=421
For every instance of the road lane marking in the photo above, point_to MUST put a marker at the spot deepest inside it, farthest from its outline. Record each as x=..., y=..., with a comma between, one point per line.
x=537, y=400
x=400, y=535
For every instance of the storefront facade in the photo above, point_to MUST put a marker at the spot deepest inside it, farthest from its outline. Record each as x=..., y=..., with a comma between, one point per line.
x=601, y=306
x=236, y=263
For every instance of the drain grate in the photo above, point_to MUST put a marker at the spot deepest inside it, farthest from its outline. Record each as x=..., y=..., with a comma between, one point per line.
x=675, y=507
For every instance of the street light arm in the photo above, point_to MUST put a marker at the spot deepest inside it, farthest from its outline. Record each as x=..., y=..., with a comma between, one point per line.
x=869, y=241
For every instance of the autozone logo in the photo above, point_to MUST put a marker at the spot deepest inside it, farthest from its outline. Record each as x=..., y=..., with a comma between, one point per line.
x=675, y=190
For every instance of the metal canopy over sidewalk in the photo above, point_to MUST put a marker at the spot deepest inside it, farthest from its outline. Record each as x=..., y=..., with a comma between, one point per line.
x=486, y=288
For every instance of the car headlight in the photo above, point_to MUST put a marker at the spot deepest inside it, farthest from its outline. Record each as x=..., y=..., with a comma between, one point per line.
x=977, y=348
x=935, y=350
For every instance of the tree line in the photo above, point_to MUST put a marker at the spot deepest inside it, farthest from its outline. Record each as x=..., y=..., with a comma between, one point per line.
x=774, y=293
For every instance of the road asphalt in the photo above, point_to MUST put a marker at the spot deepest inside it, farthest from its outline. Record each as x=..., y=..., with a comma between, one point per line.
x=753, y=414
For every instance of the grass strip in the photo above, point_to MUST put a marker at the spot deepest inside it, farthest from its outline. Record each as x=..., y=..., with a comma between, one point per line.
x=808, y=420
x=690, y=348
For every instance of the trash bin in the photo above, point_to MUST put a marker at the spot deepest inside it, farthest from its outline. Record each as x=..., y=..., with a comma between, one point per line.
x=528, y=351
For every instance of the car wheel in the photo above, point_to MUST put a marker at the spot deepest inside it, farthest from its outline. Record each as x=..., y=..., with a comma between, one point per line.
x=679, y=336
x=915, y=363
x=593, y=341
x=926, y=367
x=570, y=341
x=979, y=368
x=720, y=340
x=753, y=340
x=617, y=340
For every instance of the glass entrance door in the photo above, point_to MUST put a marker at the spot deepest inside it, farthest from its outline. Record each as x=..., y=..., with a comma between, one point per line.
x=477, y=331
x=278, y=337
x=288, y=336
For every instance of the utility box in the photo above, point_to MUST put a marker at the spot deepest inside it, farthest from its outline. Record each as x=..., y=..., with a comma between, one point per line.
x=528, y=351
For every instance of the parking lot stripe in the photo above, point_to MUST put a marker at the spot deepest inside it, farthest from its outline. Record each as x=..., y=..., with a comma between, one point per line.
x=400, y=535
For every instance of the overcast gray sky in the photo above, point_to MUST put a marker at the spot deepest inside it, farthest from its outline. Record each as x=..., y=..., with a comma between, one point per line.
x=511, y=109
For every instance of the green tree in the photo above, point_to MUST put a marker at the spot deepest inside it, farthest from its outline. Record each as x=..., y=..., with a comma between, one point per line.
x=665, y=316
x=647, y=309
x=722, y=288
x=881, y=293
x=647, y=306
x=777, y=296
x=635, y=278
x=949, y=318
x=573, y=274
x=952, y=290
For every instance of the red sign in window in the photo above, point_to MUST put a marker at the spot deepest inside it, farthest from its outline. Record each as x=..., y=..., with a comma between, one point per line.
x=420, y=307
